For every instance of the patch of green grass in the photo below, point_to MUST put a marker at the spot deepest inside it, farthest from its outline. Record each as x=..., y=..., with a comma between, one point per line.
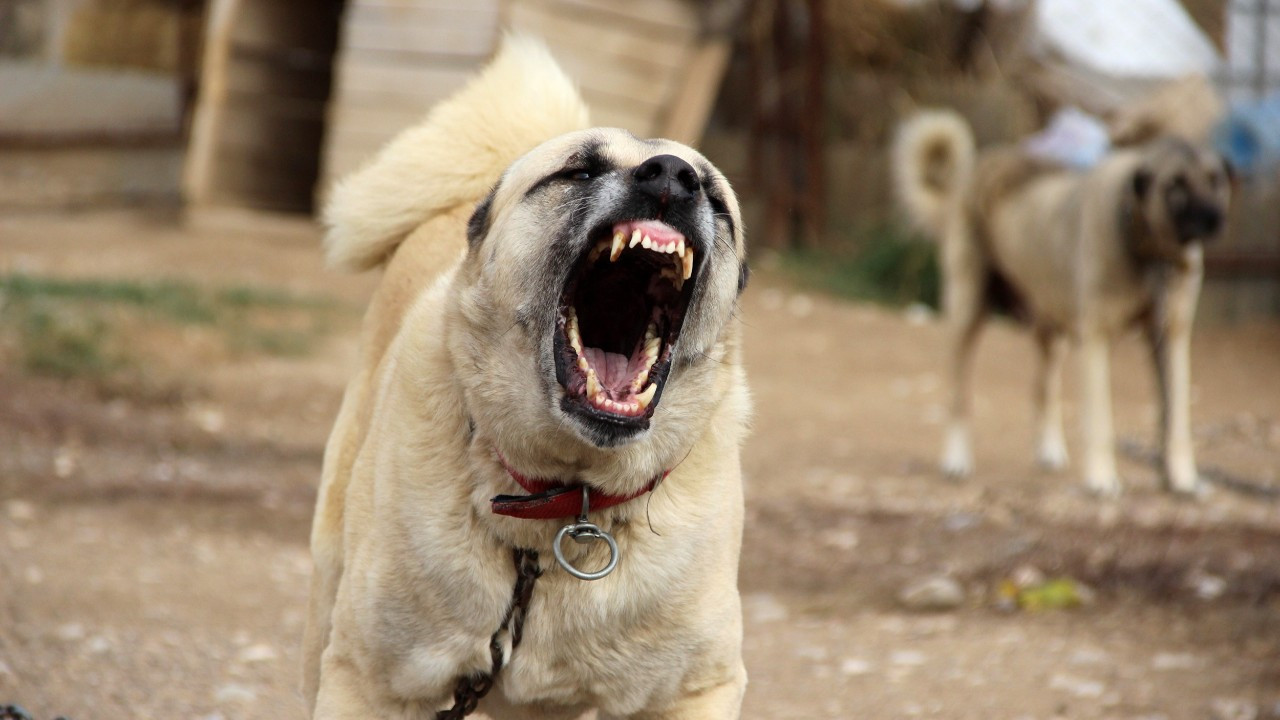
x=883, y=263
x=64, y=345
x=83, y=328
x=180, y=303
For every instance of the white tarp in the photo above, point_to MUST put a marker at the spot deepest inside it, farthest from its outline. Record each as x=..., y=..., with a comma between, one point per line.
x=1124, y=38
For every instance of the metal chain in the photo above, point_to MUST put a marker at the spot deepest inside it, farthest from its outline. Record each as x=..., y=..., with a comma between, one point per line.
x=471, y=688
x=17, y=712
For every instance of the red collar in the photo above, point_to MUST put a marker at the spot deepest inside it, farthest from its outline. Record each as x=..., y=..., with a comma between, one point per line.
x=551, y=499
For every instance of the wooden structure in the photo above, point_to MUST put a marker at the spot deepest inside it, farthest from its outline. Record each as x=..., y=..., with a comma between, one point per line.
x=266, y=138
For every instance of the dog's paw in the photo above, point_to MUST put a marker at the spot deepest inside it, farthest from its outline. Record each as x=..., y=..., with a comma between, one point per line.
x=1189, y=486
x=957, y=455
x=1106, y=485
x=1051, y=455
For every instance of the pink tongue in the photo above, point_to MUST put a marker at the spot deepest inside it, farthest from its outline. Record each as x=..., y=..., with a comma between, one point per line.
x=657, y=230
x=614, y=371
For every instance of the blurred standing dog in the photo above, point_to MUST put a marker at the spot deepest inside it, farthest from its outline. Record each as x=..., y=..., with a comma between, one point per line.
x=557, y=317
x=1084, y=254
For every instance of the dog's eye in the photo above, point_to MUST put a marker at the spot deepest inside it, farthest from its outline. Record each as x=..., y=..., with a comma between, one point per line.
x=577, y=175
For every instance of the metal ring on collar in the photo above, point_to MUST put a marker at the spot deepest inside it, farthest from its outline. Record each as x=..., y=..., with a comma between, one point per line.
x=583, y=532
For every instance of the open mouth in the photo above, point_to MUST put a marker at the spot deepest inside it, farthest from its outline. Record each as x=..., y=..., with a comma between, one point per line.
x=620, y=317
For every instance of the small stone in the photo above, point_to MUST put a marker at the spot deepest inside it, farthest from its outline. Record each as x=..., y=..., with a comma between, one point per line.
x=1175, y=661
x=1078, y=687
x=1232, y=709
x=70, y=632
x=20, y=510
x=260, y=652
x=907, y=658
x=839, y=539
x=1206, y=586
x=935, y=594
x=854, y=666
x=918, y=314
x=1027, y=576
x=799, y=305
x=763, y=608
x=234, y=692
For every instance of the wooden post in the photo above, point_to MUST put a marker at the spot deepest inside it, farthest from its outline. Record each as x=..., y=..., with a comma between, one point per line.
x=197, y=173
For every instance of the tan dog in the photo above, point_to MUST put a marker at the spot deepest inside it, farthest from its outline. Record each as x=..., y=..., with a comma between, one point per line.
x=1083, y=254
x=574, y=330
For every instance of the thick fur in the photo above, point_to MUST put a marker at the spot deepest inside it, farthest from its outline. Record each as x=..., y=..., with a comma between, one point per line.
x=413, y=572
x=452, y=158
x=1079, y=254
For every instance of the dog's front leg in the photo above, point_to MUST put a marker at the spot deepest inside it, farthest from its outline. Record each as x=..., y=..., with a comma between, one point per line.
x=1180, y=473
x=1100, y=474
x=1051, y=450
x=1169, y=335
x=722, y=701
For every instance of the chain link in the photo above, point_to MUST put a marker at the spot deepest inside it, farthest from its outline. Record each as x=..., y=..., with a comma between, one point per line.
x=17, y=712
x=471, y=688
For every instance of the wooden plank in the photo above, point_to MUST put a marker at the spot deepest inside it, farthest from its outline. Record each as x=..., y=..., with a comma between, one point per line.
x=650, y=89
x=197, y=170
x=418, y=85
x=288, y=23
x=450, y=30
x=614, y=115
x=608, y=43
x=247, y=75
x=667, y=16
x=686, y=113
x=375, y=120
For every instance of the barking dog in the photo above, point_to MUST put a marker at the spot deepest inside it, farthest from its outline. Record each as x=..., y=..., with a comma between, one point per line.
x=554, y=334
x=1082, y=254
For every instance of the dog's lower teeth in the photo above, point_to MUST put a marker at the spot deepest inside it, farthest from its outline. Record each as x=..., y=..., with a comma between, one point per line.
x=643, y=399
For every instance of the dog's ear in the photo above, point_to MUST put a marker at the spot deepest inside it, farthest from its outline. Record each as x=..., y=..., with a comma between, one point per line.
x=478, y=225
x=1142, y=182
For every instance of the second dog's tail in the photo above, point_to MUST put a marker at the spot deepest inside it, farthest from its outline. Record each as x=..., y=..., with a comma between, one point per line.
x=933, y=156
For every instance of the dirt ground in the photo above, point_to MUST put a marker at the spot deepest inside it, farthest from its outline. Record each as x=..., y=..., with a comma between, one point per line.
x=153, y=558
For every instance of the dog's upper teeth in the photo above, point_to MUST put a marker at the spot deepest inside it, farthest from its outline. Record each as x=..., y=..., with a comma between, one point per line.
x=636, y=237
x=680, y=247
x=647, y=243
x=571, y=329
x=646, y=397
x=619, y=244
x=593, y=384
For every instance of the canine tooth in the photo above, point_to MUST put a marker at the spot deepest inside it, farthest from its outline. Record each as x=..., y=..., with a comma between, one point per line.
x=688, y=265
x=646, y=397
x=619, y=244
x=593, y=385
x=636, y=237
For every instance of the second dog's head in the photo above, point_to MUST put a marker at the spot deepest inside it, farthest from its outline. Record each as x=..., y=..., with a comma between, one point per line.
x=1182, y=194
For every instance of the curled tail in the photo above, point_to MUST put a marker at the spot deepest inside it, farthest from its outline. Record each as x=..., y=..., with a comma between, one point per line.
x=454, y=156
x=933, y=157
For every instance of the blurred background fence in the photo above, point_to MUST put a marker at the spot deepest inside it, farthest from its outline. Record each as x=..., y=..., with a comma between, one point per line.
x=263, y=103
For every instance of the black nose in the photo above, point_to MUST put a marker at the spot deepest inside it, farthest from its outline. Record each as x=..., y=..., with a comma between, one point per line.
x=667, y=178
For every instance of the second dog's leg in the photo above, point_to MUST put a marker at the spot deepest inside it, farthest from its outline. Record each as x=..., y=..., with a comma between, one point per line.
x=963, y=303
x=1051, y=450
x=1100, y=474
x=1169, y=335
